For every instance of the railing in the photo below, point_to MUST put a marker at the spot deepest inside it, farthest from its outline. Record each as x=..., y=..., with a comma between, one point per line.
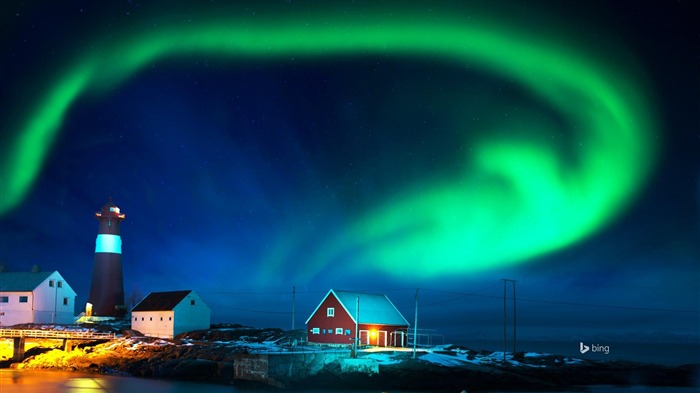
x=55, y=334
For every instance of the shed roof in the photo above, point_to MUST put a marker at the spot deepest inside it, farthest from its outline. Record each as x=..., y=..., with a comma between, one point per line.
x=161, y=301
x=21, y=281
x=374, y=309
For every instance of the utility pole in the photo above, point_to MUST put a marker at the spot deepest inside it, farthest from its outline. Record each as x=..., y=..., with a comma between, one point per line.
x=415, y=327
x=504, y=319
x=505, y=283
x=357, y=327
x=294, y=305
x=515, y=323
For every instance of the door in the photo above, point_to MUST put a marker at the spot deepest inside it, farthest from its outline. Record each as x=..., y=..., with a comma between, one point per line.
x=381, y=338
x=364, y=337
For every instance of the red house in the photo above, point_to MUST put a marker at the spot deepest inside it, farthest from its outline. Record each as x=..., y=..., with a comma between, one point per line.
x=378, y=321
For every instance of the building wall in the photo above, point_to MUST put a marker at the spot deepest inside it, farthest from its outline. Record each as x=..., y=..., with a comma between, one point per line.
x=382, y=335
x=45, y=304
x=184, y=317
x=13, y=312
x=49, y=299
x=153, y=323
x=191, y=314
x=327, y=325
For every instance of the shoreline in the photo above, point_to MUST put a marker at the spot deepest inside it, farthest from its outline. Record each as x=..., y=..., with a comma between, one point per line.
x=263, y=357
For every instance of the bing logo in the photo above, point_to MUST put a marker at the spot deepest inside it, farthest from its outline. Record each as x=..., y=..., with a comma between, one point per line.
x=583, y=348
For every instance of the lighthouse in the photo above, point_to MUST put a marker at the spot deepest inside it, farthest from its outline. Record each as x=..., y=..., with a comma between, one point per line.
x=107, y=289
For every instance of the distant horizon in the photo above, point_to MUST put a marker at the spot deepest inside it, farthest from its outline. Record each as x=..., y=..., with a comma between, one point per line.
x=304, y=309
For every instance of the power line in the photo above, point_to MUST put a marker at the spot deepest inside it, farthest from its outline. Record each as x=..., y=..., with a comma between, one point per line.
x=572, y=303
x=610, y=306
x=250, y=310
x=258, y=293
x=461, y=295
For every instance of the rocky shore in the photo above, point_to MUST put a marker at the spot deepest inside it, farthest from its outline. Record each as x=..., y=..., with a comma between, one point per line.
x=234, y=354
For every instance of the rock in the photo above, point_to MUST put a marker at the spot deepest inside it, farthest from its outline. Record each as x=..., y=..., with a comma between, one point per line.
x=196, y=369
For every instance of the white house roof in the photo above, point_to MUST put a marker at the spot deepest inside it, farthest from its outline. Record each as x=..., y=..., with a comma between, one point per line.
x=374, y=309
x=21, y=281
x=161, y=301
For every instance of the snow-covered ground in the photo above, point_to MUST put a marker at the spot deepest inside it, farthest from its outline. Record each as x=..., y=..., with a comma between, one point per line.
x=444, y=356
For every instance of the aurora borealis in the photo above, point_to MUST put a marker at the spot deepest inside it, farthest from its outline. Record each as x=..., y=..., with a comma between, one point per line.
x=299, y=144
x=555, y=203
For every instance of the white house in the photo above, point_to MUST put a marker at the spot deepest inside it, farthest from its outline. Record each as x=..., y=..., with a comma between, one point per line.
x=167, y=314
x=35, y=297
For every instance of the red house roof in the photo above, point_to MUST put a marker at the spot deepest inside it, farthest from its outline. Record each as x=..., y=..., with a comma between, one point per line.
x=374, y=309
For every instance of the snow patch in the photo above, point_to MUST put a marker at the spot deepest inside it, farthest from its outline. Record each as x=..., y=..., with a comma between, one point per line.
x=383, y=358
x=442, y=359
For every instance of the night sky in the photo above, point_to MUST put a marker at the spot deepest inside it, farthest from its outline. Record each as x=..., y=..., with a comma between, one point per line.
x=378, y=148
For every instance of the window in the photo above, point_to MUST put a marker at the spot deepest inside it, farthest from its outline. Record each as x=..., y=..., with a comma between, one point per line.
x=330, y=312
x=347, y=332
x=170, y=318
x=324, y=331
x=150, y=319
x=4, y=299
x=136, y=318
x=338, y=330
x=142, y=318
x=60, y=284
x=191, y=302
x=23, y=299
x=314, y=331
x=51, y=283
x=161, y=318
x=65, y=301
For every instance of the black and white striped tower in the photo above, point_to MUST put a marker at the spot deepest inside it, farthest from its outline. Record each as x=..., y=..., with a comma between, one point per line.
x=107, y=289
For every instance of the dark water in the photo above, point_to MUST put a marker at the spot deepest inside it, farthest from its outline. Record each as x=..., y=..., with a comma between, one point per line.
x=668, y=354
x=35, y=381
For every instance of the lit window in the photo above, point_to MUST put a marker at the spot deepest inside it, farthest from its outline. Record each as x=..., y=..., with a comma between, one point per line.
x=191, y=302
x=4, y=299
x=330, y=312
x=65, y=301
x=315, y=331
x=60, y=284
x=324, y=331
x=338, y=330
x=23, y=299
x=51, y=283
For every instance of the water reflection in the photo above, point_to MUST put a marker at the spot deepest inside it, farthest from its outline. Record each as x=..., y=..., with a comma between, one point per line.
x=35, y=381
x=41, y=381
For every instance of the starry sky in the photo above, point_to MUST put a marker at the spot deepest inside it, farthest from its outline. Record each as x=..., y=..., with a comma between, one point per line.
x=361, y=146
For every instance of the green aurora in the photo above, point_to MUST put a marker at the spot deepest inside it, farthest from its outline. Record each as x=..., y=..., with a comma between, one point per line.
x=514, y=200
